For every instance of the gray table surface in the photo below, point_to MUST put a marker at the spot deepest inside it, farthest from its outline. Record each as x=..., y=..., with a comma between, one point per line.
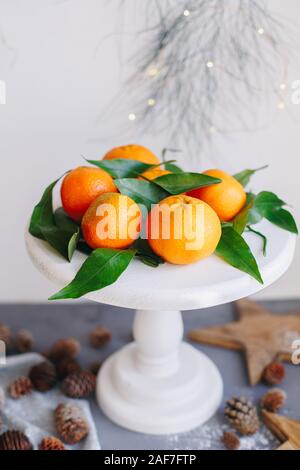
x=50, y=322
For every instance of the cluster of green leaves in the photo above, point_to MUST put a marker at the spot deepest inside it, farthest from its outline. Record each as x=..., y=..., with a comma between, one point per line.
x=232, y=247
x=151, y=192
x=54, y=227
x=104, y=266
x=123, y=168
x=146, y=192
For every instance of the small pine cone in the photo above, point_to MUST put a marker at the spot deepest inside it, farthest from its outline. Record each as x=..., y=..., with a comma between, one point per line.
x=20, y=387
x=99, y=337
x=14, y=440
x=273, y=400
x=95, y=367
x=43, y=376
x=79, y=384
x=24, y=341
x=274, y=373
x=70, y=423
x=51, y=443
x=69, y=347
x=231, y=440
x=5, y=334
x=65, y=366
x=242, y=415
x=2, y=398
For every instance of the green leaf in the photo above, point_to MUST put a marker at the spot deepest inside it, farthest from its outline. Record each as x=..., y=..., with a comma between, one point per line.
x=64, y=222
x=226, y=224
x=141, y=191
x=146, y=254
x=42, y=215
x=268, y=205
x=148, y=261
x=72, y=245
x=241, y=220
x=233, y=249
x=64, y=236
x=262, y=236
x=266, y=202
x=253, y=215
x=283, y=219
x=121, y=167
x=178, y=183
x=173, y=168
x=102, y=268
x=63, y=242
x=250, y=198
x=83, y=247
x=244, y=176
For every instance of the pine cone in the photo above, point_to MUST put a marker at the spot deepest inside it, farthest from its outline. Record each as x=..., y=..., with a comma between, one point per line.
x=231, y=440
x=14, y=440
x=20, y=387
x=79, y=384
x=51, y=443
x=5, y=334
x=242, y=415
x=65, y=366
x=273, y=400
x=43, y=376
x=69, y=347
x=24, y=341
x=99, y=337
x=2, y=398
x=274, y=373
x=70, y=423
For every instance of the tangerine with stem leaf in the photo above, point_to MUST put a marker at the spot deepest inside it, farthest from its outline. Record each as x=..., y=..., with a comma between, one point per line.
x=132, y=152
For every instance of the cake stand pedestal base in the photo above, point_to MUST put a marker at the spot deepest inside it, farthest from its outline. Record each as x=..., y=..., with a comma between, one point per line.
x=159, y=384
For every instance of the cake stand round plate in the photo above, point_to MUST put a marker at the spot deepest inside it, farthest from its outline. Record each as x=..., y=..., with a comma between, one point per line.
x=159, y=384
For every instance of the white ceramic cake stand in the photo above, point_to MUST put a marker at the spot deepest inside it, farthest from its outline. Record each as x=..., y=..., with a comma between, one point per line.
x=159, y=384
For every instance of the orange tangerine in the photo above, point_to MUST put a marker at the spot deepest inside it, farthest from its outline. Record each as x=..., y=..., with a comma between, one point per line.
x=226, y=198
x=183, y=229
x=132, y=152
x=80, y=188
x=113, y=220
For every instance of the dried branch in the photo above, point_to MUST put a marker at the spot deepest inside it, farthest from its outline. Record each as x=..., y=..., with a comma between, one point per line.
x=207, y=65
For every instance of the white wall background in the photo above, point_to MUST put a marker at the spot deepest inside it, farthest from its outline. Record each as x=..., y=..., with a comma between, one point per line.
x=61, y=69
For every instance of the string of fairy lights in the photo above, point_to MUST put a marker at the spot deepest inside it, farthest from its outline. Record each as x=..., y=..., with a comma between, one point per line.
x=154, y=71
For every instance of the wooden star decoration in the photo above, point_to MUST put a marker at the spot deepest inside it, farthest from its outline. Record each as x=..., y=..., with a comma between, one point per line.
x=287, y=430
x=261, y=335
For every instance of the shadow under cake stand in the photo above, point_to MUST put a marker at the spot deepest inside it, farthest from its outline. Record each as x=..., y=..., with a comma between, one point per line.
x=159, y=384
